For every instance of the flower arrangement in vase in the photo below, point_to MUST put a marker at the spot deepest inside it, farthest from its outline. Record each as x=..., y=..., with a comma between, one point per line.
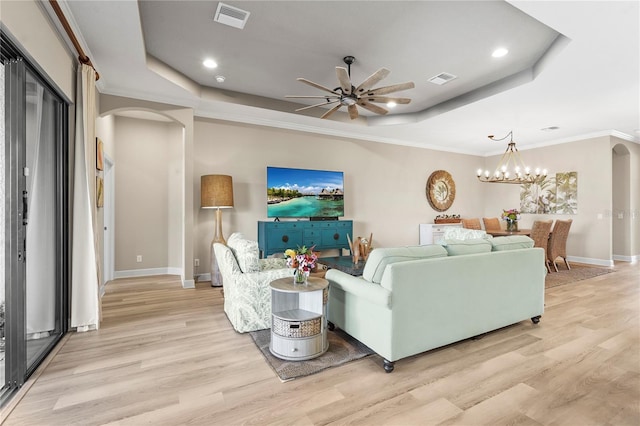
x=303, y=260
x=511, y=216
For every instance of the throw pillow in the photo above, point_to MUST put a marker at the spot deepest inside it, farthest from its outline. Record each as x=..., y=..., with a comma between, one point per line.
x=379, y=258
x=453, y=233
x=461, y=247
x=246, y=252
x=272, y=263
x=512, y=242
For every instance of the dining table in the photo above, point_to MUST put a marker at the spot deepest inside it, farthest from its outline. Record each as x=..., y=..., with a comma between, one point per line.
x=504, y=233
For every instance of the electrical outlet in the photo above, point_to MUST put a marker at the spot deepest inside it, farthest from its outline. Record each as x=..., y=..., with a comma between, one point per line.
x=139, y=258
x=196, y=262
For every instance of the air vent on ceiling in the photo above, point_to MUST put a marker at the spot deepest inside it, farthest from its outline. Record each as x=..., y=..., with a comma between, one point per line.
x=231, y=16
x=442, y=78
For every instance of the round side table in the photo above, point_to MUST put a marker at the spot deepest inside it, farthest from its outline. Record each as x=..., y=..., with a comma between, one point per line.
x=299, y=318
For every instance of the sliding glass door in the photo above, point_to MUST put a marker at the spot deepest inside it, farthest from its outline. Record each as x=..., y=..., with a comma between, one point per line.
x=33, y=187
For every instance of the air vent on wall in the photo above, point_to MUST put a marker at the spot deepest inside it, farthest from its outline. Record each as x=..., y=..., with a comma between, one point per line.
x=442, y=78
x=231, y=16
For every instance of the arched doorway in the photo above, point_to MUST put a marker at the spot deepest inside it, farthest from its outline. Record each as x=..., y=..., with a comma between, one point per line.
x=147, y=150
x=621, y=203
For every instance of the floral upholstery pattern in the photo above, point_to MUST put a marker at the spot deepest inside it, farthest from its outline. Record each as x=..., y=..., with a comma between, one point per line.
x=273, y=263
x=246, y=252
x=452, y=233
x=247, y=295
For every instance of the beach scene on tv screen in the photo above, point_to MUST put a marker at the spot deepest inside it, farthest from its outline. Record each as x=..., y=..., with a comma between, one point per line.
x=304, y=193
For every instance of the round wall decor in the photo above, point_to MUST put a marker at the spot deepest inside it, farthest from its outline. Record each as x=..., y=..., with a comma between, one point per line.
x=441, y=190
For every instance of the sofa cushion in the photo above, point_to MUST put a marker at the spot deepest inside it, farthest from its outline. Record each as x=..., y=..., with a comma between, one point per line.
x=461, y=247
x=454, y=233
x=379, y=258
x=246, y=252
x=512, y=242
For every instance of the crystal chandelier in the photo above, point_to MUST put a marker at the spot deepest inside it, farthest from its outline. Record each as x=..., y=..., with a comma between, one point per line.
x=511, y=168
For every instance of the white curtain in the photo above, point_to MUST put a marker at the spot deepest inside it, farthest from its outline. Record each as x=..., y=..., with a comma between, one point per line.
x=41, y=236
x=85, y=281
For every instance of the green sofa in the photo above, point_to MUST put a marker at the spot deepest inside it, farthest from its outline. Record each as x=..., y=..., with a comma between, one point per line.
x=413, y=299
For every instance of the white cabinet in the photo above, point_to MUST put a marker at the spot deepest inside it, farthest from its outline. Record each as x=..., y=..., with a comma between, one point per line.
x=431, y=233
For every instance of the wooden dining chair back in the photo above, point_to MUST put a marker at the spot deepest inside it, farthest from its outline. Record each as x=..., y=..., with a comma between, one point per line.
x=471, y=223
x=491, y=224
x=540, y=235
x=557, y=245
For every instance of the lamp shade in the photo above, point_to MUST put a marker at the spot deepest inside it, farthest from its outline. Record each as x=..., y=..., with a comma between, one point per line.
x=216, y=192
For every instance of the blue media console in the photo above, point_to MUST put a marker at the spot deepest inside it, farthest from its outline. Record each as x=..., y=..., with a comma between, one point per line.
x=274, y=237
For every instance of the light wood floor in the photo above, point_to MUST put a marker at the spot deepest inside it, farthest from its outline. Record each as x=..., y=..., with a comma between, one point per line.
x=168, y=356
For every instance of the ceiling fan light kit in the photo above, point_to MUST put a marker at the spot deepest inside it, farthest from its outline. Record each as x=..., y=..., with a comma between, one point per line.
x=520, y=174
x=346, y=94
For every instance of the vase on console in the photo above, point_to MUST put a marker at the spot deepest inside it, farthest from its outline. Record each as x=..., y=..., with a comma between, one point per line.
x=512, y=225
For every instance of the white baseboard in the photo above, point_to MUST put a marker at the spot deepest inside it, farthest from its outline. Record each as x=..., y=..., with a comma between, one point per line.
x=630, y=259
x=147, y=272
x=590, y=261
x=155, y=271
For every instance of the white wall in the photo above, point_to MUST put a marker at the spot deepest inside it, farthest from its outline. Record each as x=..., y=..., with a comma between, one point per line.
x=145, y=174
x=175, y=199
x=590, y=236
x=29, y=24
x=184, y=117
x=626, y=199
x=384, y=184
x=105, y=129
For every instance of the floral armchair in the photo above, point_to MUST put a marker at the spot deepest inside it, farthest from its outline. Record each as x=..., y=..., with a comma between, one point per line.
x=246, y=279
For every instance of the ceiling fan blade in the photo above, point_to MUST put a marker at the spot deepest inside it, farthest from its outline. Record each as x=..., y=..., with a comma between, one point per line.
x=314, y=96
x=386, y=99
x=373, y=108
x=345, y=81
x=316, y=105
x=331, y=111
x=389, y=89
x=317, y=86
x=353, y=111
x=372, y=80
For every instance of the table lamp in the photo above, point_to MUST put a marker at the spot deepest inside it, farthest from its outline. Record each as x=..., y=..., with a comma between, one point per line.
x=216, y=192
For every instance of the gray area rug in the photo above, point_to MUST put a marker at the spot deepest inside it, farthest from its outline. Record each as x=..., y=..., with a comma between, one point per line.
x=342, y=349
x=578, y=272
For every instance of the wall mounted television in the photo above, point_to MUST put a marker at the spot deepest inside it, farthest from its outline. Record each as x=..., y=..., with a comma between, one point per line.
x=316, y=194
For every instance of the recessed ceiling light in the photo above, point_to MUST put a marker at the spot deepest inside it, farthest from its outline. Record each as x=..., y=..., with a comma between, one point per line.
x=499, y=52
x=550, y=129
x=209, y=63
x=391, y=104
x=220, y=78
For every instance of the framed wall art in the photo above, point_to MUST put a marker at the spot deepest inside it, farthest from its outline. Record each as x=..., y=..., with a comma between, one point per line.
x=99, y=192
x=556, y=194
x=441, y=190
x=99, y=154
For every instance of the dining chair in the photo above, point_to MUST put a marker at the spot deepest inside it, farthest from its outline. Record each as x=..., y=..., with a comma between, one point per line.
x=491, y=224
x=471, y=223
x=540, y=235
x=557, y=245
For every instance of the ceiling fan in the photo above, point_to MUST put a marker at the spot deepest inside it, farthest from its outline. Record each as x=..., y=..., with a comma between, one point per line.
x=348, y=95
